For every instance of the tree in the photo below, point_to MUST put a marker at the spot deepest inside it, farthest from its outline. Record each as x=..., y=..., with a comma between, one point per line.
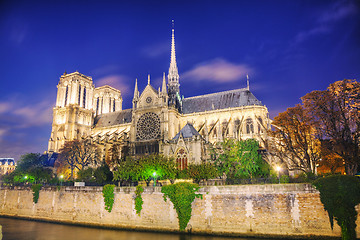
x=293, y=140
x=239, y=159
x=30, y=169
x=203, y=171
x=155, y=165
x=143, y=169
x=75, y=155
x=28, y=161
x=103, y=174
x=335, y=114
x=126, y=170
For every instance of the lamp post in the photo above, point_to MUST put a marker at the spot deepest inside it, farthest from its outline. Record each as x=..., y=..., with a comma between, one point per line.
x=154, y=174
x=278, y=169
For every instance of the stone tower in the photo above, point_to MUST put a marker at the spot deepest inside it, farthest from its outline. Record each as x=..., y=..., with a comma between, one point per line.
x=73, y=113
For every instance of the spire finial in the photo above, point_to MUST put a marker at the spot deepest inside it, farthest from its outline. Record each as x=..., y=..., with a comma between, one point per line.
x=247, y=81
x=136, y=92
x=163, y=90
x=148, y=79
x=173, y=70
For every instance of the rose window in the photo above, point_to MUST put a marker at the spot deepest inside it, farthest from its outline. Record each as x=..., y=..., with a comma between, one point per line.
x=148, y=126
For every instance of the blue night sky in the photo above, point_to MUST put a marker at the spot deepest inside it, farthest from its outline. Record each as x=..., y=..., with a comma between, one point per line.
x=288, y=48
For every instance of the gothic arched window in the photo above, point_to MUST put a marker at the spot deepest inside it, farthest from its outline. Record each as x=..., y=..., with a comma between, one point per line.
x=84, y=98
x=79, y=95
x=97, y=105
x=66, y=95
x=260, y=125
x=181, y=159
x=249, y=126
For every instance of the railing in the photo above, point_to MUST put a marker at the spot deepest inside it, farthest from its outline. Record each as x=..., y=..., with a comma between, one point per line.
x=209, y=182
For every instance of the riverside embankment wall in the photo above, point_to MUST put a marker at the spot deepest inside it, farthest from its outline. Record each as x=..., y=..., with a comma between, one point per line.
x=281, y=210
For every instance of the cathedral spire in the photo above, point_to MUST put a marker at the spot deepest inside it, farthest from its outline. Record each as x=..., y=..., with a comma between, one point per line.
x=173, y=76
x=173, y=70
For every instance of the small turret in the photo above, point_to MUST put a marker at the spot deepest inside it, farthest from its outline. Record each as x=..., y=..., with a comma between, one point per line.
x=136, y=94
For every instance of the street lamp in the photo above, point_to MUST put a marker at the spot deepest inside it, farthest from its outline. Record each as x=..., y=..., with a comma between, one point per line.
x=61, y=178
x=154, y=174
x=278, y=169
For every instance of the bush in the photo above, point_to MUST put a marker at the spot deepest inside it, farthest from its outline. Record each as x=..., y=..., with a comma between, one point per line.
x=284, y=179
x=182, y=174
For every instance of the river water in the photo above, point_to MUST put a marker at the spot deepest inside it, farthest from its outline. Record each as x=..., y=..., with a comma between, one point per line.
x=15, y=229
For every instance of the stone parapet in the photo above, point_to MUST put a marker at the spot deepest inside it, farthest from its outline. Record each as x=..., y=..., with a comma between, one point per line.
x=273, y=210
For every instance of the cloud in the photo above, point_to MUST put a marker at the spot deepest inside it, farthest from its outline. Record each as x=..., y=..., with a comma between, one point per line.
x=304, y=35
x=338, y=11
x=4, y=107
x=105, y=70
x=23, y=125
x=157, y=50
x=217, y=70
x=115, y=81
x=326, y=20
x=15, y=115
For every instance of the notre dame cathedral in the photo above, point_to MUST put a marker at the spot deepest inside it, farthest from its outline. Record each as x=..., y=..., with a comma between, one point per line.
x=160, y=121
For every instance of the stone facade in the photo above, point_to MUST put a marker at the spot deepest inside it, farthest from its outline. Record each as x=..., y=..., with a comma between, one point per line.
x=160, y=120
x=280, y=210
x=7, y=165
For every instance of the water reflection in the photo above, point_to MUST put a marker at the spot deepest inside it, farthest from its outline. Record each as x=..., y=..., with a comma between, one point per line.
x=15, y=229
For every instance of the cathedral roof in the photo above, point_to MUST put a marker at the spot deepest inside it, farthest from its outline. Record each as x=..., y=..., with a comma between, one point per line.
x=113, y=118
x=188, y=131
x=220, y=100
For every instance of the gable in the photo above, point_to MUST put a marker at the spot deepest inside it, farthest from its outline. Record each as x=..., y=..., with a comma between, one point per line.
x=148, y=97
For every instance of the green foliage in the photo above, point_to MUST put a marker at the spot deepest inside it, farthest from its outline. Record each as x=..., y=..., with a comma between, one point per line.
x=181, y=195
x=36, y=190
x=142, y=169
x=125, y=170
x=103, y=174
x=138, y=199
x=85, y=175
x=239, y=159
x=28, y=161
x=203, y=171
x=29, y=170
x=182, y=174
x=284, y=179
x=339, y=195
x=108, y=194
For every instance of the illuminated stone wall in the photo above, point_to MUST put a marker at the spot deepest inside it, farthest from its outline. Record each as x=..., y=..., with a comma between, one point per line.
x=254, y=210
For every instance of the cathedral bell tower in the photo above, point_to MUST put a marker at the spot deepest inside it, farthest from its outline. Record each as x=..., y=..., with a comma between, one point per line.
x=173, y=77
x=73, y=113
